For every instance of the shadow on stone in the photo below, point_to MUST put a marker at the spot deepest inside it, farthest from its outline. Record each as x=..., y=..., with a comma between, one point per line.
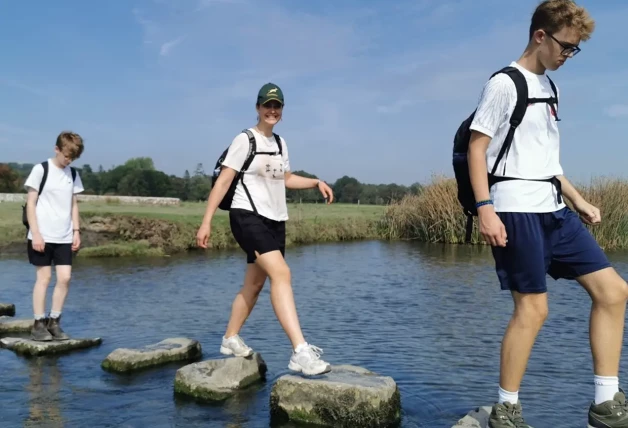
x=33, y=348
x=7, y=310
x=476, y=418
x=348, y=396
x=10, y=325
x=217, y=380
x=169, y=350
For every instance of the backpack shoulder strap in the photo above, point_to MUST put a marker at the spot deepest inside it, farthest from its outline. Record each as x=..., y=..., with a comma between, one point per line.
x=278, y=140
x=73, y=173
x=553, y=88
x=517, y=115
x=522, y=94
x=44, y=177
x=252, y=150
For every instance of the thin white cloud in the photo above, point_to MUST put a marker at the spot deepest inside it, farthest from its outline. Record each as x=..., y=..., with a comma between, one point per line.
x=617, y=111
x=167, y=47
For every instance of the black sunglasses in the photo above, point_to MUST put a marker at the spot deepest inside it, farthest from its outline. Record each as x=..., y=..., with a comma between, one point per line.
x=568, y=49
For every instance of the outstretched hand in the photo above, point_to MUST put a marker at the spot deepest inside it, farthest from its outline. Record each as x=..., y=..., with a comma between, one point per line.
x=326, y=191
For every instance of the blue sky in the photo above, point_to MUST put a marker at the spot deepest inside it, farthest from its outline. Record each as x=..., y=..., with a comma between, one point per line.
x=374, y=89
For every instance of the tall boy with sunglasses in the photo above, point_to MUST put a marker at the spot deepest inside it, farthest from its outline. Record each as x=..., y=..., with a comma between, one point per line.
x=531, y=231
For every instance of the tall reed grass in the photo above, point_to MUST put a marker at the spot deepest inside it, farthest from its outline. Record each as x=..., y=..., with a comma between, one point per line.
x=436, y=215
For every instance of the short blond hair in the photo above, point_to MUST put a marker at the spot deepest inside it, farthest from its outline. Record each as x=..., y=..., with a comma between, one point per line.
x=553, y=15
x=71, y=144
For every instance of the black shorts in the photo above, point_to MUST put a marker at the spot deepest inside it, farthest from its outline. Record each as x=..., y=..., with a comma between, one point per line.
x=59, y=254
x=254, y=232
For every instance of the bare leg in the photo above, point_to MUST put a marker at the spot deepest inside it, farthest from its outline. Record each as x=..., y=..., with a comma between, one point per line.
x=608, y=293
x=245, y=300
x=526, y=322
x=281, y=295
x=44, y=274
x=64, y=273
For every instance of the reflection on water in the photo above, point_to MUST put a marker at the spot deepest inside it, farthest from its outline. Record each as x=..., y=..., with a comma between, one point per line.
x=430, y=316
x=43, y=388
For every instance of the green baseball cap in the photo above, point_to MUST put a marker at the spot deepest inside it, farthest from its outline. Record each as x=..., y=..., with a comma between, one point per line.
x=269, y=92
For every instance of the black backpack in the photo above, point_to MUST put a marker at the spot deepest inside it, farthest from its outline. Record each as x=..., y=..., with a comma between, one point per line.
x=461, y=146
x=225, y=204
x=44, y=164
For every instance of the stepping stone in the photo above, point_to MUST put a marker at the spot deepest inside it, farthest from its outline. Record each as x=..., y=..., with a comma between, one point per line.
x=33, y=348
x=348, y=396
x=477, y=418
x=173, y=349
x=7, y=309
x=10, y=325
x=215, y=380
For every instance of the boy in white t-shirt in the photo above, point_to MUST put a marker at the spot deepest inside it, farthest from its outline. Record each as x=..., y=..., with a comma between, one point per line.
x=53, y=235
x=531, y=231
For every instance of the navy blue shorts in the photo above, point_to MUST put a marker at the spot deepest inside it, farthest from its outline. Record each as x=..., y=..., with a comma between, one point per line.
x=538, y=244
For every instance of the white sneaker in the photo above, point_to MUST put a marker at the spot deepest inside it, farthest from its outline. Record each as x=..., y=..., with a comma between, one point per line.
x=235, y=346
x=308, y=361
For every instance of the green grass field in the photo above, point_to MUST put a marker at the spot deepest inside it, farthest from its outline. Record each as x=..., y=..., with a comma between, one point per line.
x=156, y=229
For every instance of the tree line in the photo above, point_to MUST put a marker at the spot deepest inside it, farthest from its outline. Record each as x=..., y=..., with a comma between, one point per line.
x=139, y=177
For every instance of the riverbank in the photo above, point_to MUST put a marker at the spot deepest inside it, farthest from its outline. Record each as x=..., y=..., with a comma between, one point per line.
x=113, y=229
x=436, y=216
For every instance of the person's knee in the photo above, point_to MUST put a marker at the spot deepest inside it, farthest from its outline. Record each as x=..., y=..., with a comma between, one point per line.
x=613, y=293
x=281, y=274
x=63, y=279
x=531, y=311
x=255, y=284
x=43, y=277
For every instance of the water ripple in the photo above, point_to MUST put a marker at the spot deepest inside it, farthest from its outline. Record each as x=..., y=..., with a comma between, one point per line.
x=430, y=316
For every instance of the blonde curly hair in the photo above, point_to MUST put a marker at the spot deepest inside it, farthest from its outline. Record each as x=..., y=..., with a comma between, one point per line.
x=554, y=15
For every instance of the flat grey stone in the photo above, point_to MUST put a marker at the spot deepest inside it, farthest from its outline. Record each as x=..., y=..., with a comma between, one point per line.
x=168, y=350
x=7, y=309
x=215, y=380
x=10, y=325
x=348, y=396
x=476, y=418
x=33, y=348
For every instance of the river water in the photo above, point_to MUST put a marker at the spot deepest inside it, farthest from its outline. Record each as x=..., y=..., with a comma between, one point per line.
x=430, y=316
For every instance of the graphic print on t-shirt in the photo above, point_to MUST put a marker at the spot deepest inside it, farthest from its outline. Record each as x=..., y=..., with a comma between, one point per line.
x=270, y=167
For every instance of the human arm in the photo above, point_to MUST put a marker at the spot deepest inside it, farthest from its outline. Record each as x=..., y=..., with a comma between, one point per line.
x=31, y=215
x=496, y=103
x=233, y=162
x=76, y=226
x=296, y=182
x=590, y=214
x=32, y=184
x=76, y=235
x=491, y=227
x=218, y=192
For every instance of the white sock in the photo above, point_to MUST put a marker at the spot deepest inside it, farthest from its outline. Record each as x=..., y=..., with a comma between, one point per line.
x=605, y=388
x=511, y=397
x=300, y=347
x=55, y=314
x=40, y=316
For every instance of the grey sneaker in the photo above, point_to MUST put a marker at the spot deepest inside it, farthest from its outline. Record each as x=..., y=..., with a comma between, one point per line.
x=235, y=346
x=308, y=361
x=55, y=329
x=609, y=414
x=507, y=415
x=39, y=331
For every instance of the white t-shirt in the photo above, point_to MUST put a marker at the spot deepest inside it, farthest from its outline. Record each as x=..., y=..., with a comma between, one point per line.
x=54, y=206
x=534, y=152
x=264, y=178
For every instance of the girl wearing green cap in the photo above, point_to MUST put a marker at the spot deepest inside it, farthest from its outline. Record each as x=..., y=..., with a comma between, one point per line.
x=252, y=184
